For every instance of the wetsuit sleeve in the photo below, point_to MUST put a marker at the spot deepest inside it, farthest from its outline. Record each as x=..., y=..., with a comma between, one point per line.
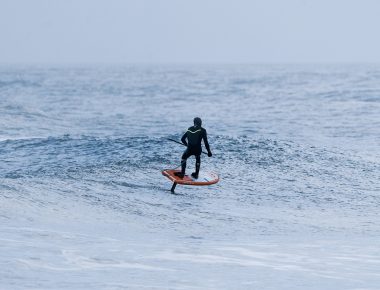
x=206, y=141
x=183, y=139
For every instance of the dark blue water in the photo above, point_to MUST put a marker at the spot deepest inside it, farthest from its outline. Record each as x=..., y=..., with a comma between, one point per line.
x=84, y=204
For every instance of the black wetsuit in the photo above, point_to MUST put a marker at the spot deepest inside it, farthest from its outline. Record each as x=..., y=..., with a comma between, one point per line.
x=194, y=136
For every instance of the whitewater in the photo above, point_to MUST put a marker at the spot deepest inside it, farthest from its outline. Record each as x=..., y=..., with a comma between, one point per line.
x=83, y=203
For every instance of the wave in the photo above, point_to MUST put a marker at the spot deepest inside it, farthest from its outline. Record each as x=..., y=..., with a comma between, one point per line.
x=244, y=161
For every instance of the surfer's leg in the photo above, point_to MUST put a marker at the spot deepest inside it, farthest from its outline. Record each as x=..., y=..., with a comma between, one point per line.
x=183, y=166
x=185, y=155
x=197, y=166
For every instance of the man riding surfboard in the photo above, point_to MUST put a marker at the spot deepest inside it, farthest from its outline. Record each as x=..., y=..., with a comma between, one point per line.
x=193, y=140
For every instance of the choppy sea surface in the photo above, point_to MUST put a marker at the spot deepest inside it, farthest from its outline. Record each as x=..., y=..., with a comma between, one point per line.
x=83, y=204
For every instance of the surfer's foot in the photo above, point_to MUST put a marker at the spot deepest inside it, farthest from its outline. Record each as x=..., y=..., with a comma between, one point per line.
x=179, y=174
x=195, y=175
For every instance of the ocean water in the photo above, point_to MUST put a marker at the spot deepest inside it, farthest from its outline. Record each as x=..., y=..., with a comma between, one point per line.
x=83, y=204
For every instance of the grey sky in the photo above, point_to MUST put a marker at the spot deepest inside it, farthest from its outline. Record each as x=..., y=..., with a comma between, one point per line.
x=65, y=31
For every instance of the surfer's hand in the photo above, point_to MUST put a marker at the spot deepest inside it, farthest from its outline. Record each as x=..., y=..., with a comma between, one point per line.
x=209, y=154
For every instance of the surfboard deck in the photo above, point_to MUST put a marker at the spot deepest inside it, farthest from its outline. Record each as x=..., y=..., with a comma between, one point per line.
x=204, y=178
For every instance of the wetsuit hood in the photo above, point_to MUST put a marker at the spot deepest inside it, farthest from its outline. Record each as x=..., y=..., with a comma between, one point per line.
x=197, y=122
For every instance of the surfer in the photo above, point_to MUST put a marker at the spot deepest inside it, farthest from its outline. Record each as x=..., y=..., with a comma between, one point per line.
x=194, y=136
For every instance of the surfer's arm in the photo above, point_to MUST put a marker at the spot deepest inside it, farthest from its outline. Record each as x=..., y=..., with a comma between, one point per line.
x=183, y=139
x=206, y=141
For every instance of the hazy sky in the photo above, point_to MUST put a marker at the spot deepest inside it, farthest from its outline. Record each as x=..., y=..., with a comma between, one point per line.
x=227, y=31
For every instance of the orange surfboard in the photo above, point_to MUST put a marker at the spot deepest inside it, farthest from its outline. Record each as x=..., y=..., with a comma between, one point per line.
x=204, y=178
